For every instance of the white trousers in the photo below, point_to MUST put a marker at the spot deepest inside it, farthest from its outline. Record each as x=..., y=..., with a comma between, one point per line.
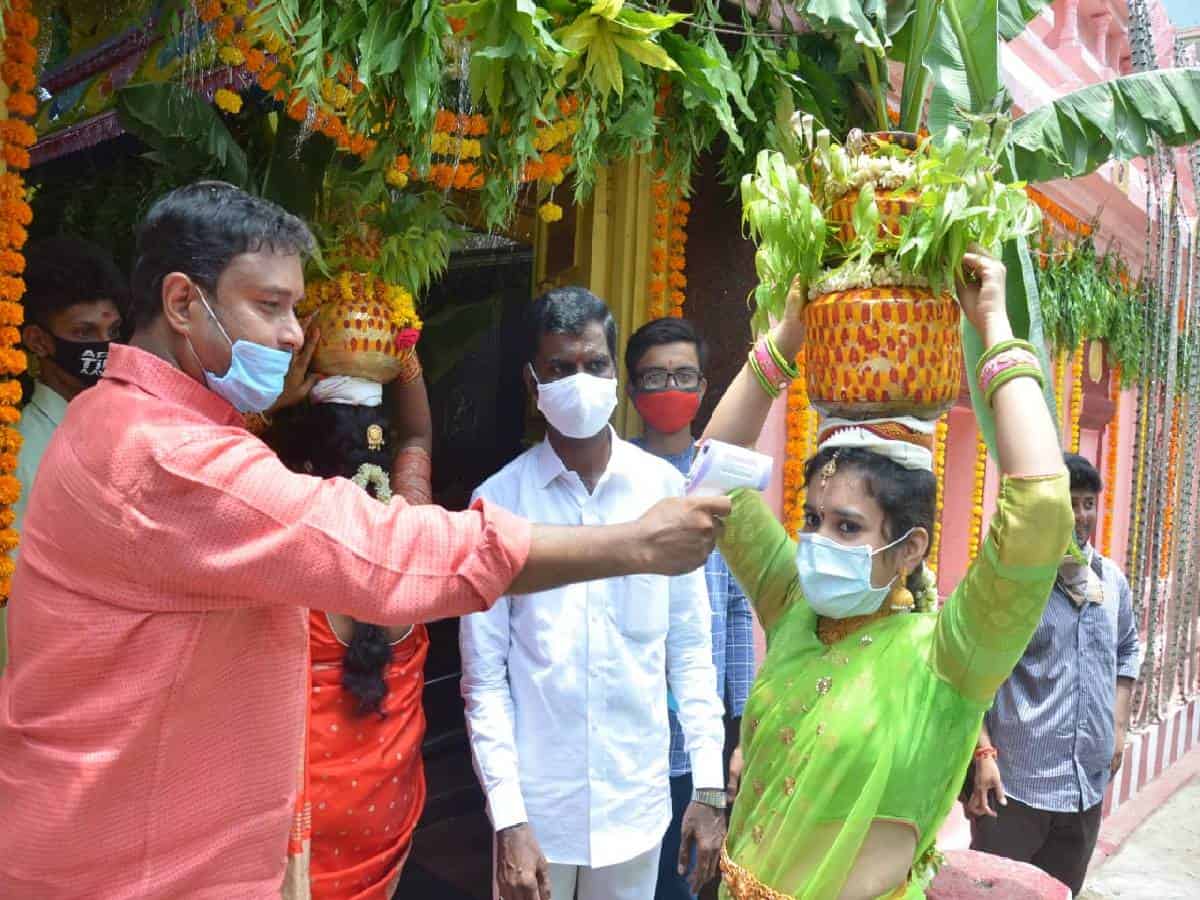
x=634, y=879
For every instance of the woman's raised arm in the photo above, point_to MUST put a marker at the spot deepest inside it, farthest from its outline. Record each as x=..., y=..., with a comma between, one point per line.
x=743, y=409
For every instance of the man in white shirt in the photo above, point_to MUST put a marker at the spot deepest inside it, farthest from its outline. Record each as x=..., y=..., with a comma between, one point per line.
x=565, y=706
x=74, y=297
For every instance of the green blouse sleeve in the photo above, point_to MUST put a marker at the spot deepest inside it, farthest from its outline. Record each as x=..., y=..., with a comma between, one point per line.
x=989, y=619
x=761, y=556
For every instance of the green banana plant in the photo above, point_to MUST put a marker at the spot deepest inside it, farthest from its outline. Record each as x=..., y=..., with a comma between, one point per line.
x=950, y=49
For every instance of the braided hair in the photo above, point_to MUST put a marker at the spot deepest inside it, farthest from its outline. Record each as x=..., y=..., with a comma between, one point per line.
x=329, y=440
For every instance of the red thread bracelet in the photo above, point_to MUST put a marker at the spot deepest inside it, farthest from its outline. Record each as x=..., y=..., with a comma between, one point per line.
x=986, y=753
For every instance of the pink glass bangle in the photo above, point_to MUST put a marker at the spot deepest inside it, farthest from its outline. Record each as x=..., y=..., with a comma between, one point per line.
x=1002, y=362
x=768, y=366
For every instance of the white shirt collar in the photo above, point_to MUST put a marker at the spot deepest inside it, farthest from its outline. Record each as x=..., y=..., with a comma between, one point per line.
x=550, y=466
x=52, y=404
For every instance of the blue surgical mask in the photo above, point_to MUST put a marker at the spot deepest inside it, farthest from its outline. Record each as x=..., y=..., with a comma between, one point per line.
x=256, y=372
x=836, y=579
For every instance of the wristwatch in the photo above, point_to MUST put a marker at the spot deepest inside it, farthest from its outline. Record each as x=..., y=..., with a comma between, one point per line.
x=714, y=797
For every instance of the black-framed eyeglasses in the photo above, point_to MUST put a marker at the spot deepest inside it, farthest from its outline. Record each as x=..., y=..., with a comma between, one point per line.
x=684, y=379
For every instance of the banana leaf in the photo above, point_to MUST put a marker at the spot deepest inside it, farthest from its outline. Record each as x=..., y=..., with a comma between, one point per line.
x=1119, y=119
x=1016, y=14
x=183, y=130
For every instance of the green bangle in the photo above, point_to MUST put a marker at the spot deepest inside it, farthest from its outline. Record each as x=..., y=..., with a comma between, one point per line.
x=790, y=369
x=999, y=347
x=769, y=389
x=1021, y=371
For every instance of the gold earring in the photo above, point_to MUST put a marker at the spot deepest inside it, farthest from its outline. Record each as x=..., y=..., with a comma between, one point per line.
x=900, y=598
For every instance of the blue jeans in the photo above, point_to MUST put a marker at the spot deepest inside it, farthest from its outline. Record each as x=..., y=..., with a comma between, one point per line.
x=670, y=885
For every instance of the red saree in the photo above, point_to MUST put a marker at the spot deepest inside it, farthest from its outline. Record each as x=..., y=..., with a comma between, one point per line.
x=366, y=781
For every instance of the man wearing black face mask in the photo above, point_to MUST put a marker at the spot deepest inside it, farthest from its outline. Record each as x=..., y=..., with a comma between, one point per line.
x=74, y=298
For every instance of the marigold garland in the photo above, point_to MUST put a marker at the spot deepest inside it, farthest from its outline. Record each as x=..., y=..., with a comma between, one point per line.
x=1076, y=396
x=16, y=137
x=973, y=533
x=1168, y=524
x=798, y=450
x=1111, y=451
x=1060, y=361
x=667, y=287
x=939, y=474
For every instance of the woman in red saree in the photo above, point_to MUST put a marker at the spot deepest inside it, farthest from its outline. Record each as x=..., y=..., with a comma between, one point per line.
x=363, y=790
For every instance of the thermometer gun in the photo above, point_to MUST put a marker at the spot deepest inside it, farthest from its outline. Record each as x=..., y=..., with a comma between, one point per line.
x=720, y=468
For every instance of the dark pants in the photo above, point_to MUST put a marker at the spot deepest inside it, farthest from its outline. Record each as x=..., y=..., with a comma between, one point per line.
x=671, y=886
x=1058, y=843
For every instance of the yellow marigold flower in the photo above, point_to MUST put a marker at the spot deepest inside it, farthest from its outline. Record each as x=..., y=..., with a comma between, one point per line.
x=228, y=101
x=397, y=179
x=231, y=56
x=550, y=212
x=440, y=142
x=341, y=96
x=272, y=42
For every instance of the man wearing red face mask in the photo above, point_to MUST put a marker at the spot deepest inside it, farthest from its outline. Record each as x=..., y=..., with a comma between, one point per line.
x=665, y=362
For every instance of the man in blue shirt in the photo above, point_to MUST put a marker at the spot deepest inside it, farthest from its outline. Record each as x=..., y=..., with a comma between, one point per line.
x=664, y=360
x=1056, y=731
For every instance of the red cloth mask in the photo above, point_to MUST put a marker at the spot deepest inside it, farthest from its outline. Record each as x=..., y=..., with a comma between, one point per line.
x=667, y=411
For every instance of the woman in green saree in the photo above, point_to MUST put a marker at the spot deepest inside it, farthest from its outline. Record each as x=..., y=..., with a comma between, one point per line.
x=862, y=721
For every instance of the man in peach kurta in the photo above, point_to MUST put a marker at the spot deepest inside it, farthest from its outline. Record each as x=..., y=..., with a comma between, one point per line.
x=153, y=709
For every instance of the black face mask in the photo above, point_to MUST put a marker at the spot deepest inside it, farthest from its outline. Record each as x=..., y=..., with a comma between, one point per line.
x=83, y=359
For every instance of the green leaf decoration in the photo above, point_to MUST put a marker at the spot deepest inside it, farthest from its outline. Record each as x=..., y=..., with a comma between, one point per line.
x=1079, y=132
x=183, y=127
x=1016, y=14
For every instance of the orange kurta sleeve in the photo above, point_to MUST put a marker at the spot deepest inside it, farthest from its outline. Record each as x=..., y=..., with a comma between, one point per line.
x=224, y=524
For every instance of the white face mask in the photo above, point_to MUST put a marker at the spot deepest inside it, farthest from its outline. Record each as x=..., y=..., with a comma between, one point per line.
x=578, y=406
x=836, y=579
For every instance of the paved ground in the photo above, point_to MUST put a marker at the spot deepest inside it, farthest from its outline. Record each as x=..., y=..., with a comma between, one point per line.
x=1160, y=860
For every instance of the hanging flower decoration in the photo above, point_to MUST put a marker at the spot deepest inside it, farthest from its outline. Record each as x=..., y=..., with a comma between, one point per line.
x=1076, y=396
x=973, y=532
x=1168, y=511
x=798, y=451
x=16, y=137
x=550, y=212
x=1111, y=450
x=939, y=473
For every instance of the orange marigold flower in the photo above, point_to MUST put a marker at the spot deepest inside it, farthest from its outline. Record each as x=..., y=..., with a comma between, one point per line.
x=8, y=540
x=11, y=290
x=17, y=132
x=10, y=393
x=677, y=262
x=677, y=280
x=12, y=313
x=298, y=110
x=22, y=105
x=679, y=236
x=14, y=235
x=268, y=80
x=456, y=24
x=678, y=297
x=17, y=158
x=16, y=211
x=17, y=76
x=256, y=60
x=20, y=51
x=22, y=24
x=9, y=415
x=210, y=10
x=12, y=362
x=12, y=264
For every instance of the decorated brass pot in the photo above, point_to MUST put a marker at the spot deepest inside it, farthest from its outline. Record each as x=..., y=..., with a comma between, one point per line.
x=359, y=338
x=892, y=206
x=883, y=351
